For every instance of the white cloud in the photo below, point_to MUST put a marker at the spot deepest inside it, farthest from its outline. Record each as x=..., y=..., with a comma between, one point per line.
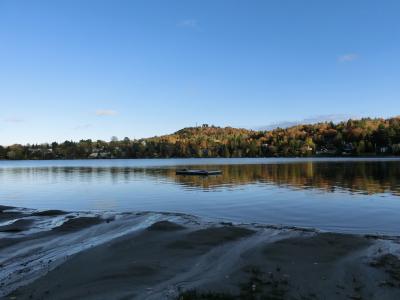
x=83, y=126
x=189, y=23
x=347, y=57
x=106, y=112
x=13, y=120
x=335, y=118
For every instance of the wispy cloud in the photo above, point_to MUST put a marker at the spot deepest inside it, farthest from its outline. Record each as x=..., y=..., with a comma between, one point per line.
x=13, y=120
x=83, y=126
x=335, y=118
x=189, y=23
x=106, y=112
x=347, y=57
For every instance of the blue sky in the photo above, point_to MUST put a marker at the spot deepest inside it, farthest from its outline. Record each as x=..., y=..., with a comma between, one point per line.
x=94, y=69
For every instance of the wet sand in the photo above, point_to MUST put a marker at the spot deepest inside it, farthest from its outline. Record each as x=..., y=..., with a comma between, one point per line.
x=174, y=256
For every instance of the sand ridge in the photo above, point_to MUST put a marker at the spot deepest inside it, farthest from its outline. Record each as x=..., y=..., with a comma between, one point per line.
x=173, y=256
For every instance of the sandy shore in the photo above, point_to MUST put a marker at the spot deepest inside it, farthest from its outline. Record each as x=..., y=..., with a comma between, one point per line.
x=61, y=255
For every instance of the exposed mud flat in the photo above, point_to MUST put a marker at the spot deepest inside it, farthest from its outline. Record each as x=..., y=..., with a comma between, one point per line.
x=63, y=255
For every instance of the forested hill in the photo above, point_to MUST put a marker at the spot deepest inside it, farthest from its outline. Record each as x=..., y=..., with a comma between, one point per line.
x=351, y=138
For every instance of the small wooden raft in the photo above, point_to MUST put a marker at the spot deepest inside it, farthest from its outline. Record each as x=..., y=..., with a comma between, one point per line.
x=198, y=172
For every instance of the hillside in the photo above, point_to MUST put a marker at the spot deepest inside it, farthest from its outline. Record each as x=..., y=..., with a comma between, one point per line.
x=354, y=137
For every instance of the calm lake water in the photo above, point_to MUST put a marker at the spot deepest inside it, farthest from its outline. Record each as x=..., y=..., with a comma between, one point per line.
x=346, y=195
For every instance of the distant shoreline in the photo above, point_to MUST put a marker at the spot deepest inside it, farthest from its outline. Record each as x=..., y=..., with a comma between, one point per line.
x=225, y=158
x=365, y=137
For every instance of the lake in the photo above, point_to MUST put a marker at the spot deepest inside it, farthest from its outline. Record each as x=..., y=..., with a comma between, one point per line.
x=343, y=195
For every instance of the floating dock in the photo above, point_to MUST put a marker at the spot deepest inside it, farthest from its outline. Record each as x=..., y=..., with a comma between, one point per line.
x=198, y=172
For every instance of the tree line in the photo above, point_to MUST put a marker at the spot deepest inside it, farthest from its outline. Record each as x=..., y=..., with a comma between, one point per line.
x=351, y=138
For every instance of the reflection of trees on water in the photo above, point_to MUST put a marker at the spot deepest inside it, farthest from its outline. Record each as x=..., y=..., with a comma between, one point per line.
x=364, y=177
x=361, y=177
